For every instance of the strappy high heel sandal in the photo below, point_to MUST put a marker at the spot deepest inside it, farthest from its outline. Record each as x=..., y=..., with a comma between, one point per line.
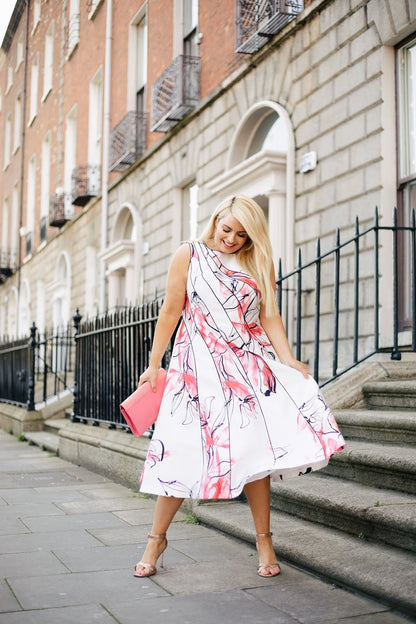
x=267, y=569
x=143, y=569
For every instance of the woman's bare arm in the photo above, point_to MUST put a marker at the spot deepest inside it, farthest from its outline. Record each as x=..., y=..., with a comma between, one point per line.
x=170, y=312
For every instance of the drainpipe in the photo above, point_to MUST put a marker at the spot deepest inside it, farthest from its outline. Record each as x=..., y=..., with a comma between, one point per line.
x=22, y=169
x=106, y=151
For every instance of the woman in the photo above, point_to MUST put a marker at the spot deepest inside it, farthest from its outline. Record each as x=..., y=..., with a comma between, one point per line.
x=238, y=409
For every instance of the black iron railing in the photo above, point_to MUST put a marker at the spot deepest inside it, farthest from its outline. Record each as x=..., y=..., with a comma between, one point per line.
x=112, y=351
x=36, y=368
x=128, y=140
x=14, y=371
x=335, y=321
x=85, y=183
x=175, y=92
x=258, y=20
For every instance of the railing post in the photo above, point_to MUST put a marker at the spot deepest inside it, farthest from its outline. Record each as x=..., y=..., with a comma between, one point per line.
x=32, y=361
x=317, y=309
x=77, y=321
x=395, y=355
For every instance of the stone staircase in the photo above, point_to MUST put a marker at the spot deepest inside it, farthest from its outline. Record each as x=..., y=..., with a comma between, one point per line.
x=354, y=522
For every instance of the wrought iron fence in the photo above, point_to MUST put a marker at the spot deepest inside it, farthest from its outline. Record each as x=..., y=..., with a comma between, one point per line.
x=111, y=352
x=37, y=367
x=335, y=323
x=14, y=371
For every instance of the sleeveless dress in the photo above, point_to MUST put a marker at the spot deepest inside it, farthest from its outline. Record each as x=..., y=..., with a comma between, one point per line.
x=231, y=412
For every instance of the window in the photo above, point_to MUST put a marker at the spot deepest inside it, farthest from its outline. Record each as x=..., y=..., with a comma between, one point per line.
x=141, y=65
x=7, y=141
x=15, y=225
x=34, y=81
x=17, y=122
x=5, y=234
x=19, y=54
x=95, y=120
x=45, y=185
x=36, y=14
x=406, y=73
x=190, y=27
x=73, y=26
x=48, y=63
x=270, y=134
x=189, y=212
x=70, y=156
x=92, y=7
x=9, y=78
x=30, y=204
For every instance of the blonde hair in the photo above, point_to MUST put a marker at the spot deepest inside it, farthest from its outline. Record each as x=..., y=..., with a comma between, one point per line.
x=255, y=256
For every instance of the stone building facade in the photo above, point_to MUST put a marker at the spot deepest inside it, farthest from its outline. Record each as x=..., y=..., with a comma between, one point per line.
x=316, y=121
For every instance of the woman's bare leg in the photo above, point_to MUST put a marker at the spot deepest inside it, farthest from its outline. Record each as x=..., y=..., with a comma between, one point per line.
x=165, y=510
x=258, y=496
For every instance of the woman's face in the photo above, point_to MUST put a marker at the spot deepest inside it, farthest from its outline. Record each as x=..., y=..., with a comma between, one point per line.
x=229, y=235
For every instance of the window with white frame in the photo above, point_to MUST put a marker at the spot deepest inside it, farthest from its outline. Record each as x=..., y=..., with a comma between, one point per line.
x=9, y=78
x=36, y=14
x=48, y=62
x=93, y=6
x=14, y=232
x=95, y=119
x=45, y=183
x=190, y=27
x=34, y=82
x=5, y=231
x=30, y=202
x=189, y=220
x=70, y=157
x=73, y=26
x=141, y=64
x=7, y=141
x=19, y=52
x=17, y=123
x=406, y=78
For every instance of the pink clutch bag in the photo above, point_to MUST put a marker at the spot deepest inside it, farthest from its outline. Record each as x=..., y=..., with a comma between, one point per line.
x=141, y=408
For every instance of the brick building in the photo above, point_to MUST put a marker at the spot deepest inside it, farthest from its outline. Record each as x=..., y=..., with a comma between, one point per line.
x=124, y=123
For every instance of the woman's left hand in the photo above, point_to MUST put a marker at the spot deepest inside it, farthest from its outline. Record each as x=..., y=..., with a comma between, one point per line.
x=299, y=366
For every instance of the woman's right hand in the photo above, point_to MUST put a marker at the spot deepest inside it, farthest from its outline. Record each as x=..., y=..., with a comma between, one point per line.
x=150, y=374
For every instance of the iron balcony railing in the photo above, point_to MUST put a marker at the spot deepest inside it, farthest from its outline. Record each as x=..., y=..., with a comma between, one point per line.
x=175, y=92
x=128, y=140
x=60, y=209
x=86, y=182
x=258, y=20
x=7, y=262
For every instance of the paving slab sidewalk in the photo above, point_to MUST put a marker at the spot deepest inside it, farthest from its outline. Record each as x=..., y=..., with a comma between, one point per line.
x=69, y=539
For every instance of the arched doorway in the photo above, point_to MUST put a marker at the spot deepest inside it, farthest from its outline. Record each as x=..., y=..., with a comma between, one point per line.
x=123, y=258
x=260, y=164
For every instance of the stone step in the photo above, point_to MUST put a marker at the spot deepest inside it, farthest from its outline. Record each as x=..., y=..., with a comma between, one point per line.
x=44, y=439
x=391, y=394
x=53, y=425
x=392, y=427
x=380, y=465
x=361, y=510
x=378, y=570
